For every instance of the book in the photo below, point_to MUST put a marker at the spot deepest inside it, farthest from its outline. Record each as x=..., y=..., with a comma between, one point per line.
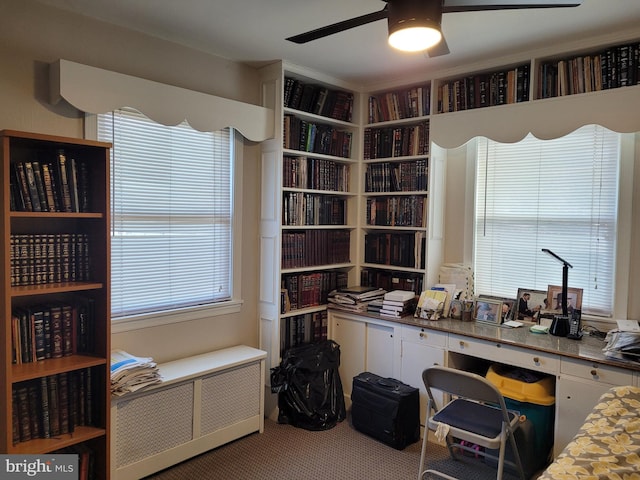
x=399, y=295
x=42, y=196
x=63, y=177
x=21, y=177
x=31, y=184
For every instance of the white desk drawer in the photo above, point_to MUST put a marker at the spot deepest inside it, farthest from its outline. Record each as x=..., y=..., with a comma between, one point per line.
x=502, y=353
x=596, y=372
x=424, y=336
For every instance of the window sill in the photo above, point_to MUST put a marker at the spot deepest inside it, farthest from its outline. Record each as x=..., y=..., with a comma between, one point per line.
x=137, y=322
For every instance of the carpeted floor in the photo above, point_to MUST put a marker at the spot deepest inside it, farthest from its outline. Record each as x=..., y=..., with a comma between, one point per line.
x=284, y=452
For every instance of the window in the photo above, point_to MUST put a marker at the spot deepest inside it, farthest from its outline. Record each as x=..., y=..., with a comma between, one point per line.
x=171, y=214
x=558, y=194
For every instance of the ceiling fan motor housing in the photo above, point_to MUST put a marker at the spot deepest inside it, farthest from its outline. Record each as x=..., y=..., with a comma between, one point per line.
x=413, y=13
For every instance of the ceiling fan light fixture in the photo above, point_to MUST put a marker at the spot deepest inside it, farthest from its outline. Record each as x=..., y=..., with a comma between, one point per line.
x=414, y=25
x=415, y=38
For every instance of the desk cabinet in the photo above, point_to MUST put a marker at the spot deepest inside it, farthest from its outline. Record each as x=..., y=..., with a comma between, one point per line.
x=366, y=345
x=421, y=348
x=578, y=388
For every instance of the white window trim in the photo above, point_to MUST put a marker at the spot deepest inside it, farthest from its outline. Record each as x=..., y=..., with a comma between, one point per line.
x=136, y=322
x=629, y=143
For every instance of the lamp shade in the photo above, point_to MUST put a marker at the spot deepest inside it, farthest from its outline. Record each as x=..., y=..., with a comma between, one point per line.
x=414, y=25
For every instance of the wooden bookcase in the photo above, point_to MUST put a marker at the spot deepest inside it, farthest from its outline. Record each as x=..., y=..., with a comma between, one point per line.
x=44, y=279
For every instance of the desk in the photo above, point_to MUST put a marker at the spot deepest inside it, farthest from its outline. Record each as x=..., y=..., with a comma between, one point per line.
x=581, y=370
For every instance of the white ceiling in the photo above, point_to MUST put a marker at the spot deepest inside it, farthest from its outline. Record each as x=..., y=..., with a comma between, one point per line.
x=254, y=31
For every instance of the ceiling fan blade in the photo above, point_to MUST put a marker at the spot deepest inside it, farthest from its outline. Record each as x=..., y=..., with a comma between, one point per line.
x=478, y=5
x=439, y=49
x=339, y=27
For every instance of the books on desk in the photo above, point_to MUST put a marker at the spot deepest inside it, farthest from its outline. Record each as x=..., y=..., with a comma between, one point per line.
x=398, y=303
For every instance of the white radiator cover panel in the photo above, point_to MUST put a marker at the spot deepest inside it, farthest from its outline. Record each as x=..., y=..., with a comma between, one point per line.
x=203, y=402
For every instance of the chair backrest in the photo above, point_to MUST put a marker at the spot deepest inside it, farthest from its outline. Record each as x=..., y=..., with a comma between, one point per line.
x=462, y=384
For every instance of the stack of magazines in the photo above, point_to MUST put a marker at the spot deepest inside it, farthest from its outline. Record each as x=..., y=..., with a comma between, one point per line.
x=622, y=345
x=354, y=299
x=130, y=373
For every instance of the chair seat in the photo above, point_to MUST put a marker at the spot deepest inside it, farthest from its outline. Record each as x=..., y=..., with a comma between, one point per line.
x=474, y=417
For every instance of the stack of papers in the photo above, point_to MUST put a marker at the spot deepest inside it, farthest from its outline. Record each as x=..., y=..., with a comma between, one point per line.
x=130, y=373
x=354, y=299
x=622, y=345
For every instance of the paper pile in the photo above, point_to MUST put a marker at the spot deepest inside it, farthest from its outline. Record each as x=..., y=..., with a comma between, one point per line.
x=354, y=299
x=622, y=345
x=130, y=373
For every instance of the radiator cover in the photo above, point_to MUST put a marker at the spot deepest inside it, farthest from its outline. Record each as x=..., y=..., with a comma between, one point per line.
x=203, y=402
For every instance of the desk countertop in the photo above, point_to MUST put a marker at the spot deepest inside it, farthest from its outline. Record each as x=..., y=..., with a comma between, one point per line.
x=588, y=348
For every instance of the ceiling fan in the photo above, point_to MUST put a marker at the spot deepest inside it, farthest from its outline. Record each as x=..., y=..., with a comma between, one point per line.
x=414, y=25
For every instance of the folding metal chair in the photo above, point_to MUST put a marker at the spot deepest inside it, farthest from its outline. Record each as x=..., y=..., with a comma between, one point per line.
x=476, y=414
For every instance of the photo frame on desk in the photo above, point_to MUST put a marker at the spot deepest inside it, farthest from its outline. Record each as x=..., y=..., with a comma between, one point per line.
x=508, y=306
x=487, y=310
x=529, y=311
x=554, y=298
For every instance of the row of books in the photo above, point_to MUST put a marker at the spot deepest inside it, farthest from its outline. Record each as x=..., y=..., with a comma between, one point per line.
x=317, y=99
x=399, y=249
x=304, y=329
x=40, y=258
x=392, y=280
x=53, y=405
x=396, y=211
x=612, y=68
x=397, y=176
x=310, y=289
x=399, y=104
x=391, y=142
x=312, y=209
x=315, y=247
x=39, y=332
x=306, y=136
x=315, y=174
x=484, y=90
x=56, y=185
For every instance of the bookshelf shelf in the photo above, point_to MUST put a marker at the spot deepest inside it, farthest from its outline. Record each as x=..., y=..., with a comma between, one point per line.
x=55, y=342
x=28, y=371
x=53, y=288
x=46, y=445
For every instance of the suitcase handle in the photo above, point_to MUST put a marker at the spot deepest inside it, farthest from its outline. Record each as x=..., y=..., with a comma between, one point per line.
x=383, y=382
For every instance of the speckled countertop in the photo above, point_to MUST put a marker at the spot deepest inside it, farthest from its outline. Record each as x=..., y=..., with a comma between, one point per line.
x=588, y=348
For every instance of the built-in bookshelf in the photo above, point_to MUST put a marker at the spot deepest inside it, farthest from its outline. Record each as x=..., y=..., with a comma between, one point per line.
x=310, y=187
x=394, y=206
x=55, y=288
x=484, y=89
x=603, y=69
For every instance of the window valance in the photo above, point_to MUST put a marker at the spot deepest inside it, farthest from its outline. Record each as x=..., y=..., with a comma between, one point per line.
x=94, y=90
x=615, y=109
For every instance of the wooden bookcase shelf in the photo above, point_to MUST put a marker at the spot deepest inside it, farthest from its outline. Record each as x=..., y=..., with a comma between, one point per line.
x=55, y=345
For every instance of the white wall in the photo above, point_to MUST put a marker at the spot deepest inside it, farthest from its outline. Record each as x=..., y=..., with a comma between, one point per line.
x=32, y=36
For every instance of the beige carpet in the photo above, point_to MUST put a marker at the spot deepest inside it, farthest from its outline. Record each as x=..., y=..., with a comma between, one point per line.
x=284, y=452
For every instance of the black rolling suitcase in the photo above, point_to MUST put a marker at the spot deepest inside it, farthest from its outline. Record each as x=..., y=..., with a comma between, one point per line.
x=385, y=409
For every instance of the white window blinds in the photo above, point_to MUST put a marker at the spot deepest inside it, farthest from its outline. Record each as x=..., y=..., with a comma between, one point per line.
x=171, y=195
x=558, y=194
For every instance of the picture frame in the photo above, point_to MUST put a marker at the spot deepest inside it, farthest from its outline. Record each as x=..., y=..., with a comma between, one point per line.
x=508, y=306
x=537, y=302
x=554, y=298
x=487, y=310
